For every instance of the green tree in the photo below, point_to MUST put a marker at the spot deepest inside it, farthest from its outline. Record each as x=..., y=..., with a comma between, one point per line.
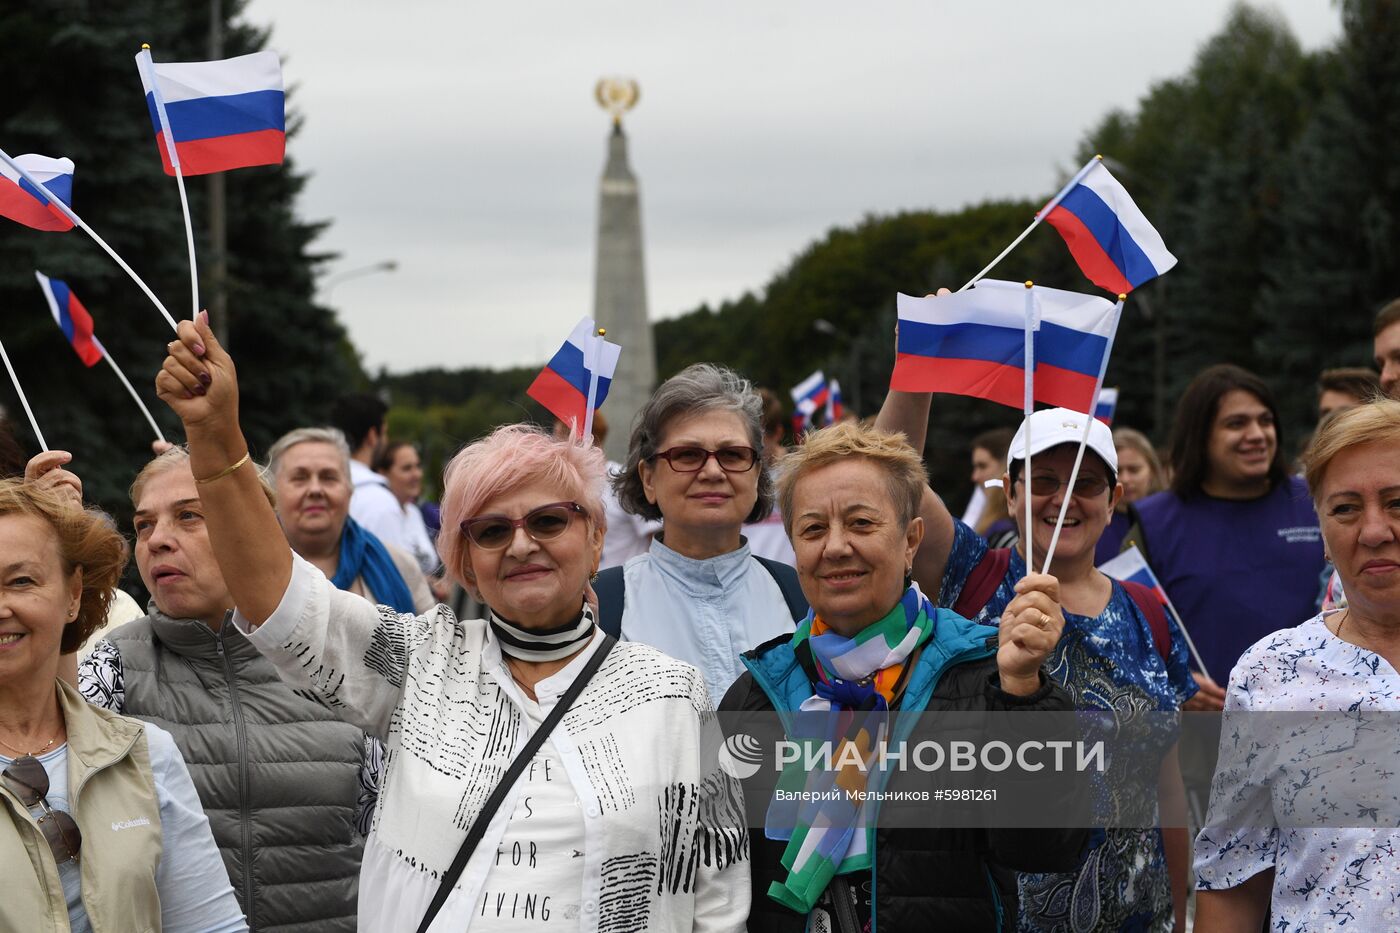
x=74, y=91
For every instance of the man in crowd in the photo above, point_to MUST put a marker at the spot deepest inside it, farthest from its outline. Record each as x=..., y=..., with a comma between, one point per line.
x=361, y=418
x=1342, y=388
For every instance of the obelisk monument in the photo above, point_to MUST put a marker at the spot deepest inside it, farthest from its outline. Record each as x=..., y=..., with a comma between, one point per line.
x=619, y=284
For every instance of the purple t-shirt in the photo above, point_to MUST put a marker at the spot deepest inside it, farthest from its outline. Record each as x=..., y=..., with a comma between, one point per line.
x=1235, y=569
x=1111, y=541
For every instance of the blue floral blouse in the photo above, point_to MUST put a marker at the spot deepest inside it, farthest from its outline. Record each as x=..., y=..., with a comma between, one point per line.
x=1312, y=790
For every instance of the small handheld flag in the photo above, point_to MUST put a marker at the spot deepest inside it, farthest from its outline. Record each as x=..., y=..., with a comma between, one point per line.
x=1115, y=245
x=75, y=322
x=21, y=201
x=973, y=343
x=808, y=396
x=218, y=115
x=1132, y=566
x=1107, y=405
x=14, y=168
x=563, y=385
x=71, y=317
x=835, y=405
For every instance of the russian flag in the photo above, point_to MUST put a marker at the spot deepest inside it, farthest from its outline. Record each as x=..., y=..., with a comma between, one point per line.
x=222, y=115
x=972, y=343
x=808, y=396
x=1108, y=236
x=1107, y=405
x=1132, y=566
x=562, y=386
x=835, y=407
x=22, y=202
x=71, y=317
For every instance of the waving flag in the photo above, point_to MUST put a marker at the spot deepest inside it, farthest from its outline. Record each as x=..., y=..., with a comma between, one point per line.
x=808, y=396
x=221, y=115
x=835, y=406
x=71, y=317
x=1132, y=566
x=1108, y=236
x=1107, y=405
x=972, y=343
x=22, y=202
x=562, y=386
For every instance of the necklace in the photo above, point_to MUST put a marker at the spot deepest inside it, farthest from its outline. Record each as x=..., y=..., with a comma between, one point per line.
x=38, y=751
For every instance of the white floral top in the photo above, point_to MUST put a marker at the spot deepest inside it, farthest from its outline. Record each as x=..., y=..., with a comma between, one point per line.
x=1299, y=789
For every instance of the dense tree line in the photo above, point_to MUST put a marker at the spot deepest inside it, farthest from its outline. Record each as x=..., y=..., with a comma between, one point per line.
x=73, y=90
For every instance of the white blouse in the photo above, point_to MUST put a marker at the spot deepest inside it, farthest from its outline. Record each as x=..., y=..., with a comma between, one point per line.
x=437, y=692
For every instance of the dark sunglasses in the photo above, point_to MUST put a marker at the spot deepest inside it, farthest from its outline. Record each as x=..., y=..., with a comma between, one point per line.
x=494, y=532
x=1085, y=487
x=27, y=780
x=693, y=459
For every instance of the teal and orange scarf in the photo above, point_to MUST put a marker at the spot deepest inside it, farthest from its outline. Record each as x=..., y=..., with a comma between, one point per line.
x=855, y=682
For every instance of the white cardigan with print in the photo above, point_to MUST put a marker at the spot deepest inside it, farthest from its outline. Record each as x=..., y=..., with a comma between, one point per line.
x=664, y=843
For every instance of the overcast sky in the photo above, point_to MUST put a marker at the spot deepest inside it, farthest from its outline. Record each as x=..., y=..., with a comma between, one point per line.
x=462, y=141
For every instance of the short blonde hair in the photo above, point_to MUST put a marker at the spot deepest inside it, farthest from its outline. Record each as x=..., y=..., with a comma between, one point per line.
x=86, y=538
x=179, y=456
x=1359, y=424
x=889, y=451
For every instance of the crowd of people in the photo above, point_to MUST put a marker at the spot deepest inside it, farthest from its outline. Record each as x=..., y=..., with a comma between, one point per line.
x=344, y=707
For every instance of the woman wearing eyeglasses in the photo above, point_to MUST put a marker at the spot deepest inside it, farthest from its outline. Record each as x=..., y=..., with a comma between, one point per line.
x=1117, y=653
x=104, y=831
x=538, y=775
x=695, y=462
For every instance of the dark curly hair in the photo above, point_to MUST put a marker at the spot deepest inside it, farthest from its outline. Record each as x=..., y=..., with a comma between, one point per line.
x=86, y=538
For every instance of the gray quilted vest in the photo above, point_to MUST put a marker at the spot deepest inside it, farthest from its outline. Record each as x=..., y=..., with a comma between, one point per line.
x=278, y=773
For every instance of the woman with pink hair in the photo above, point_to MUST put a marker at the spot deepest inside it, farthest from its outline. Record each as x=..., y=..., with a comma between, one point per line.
x=536, y=769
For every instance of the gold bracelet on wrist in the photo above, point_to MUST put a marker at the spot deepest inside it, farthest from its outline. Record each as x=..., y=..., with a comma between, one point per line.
x=225, y=471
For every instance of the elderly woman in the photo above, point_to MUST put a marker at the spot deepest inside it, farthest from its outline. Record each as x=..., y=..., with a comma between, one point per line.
x=310, y=470
x=497, y=809
x=698, y=594
x=288, y=786
x=850, y=497
x=1297, y=801
x=1118, y=653
x=103, y=829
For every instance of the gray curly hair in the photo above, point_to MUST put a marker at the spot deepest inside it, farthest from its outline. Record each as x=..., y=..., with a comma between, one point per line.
x=697, y=389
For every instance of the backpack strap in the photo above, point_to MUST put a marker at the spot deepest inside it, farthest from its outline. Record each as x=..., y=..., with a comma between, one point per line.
x=1156, y=614
x=982, y=582
x=786, y=578
x=611, y=589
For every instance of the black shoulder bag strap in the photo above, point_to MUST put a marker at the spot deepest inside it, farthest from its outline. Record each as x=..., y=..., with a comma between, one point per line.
x=498, y=796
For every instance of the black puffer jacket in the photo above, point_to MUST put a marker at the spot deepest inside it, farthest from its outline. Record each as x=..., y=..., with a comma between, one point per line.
x=945, y=879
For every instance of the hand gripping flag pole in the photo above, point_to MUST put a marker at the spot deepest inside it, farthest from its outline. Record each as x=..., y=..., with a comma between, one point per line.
x=1084, y=438
x=78, y=222
x=22, y=400
x=1040, y=216
x=143, y=59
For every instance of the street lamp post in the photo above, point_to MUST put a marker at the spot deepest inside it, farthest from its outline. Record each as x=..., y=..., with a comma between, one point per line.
x=387, y=265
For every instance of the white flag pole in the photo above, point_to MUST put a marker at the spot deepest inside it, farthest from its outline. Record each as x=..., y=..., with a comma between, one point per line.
x=143, y=59
x=1084, y=438
x=22, y=400
x=1196, y=655
x=1029, y=409
x=78, y=222
x=1040, y=215
x=134, y=397
x=587, y=436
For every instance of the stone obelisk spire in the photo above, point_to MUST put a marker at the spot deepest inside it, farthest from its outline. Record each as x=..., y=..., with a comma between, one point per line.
x=619, y=284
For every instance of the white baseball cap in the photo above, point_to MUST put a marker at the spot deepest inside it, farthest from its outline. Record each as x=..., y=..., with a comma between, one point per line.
x=1052, y=427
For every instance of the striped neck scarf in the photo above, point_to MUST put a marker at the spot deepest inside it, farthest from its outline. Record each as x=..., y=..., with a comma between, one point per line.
x=855, y=681
x=550, y=644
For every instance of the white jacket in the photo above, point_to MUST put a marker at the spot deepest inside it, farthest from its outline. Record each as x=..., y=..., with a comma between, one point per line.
x=637, y=741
